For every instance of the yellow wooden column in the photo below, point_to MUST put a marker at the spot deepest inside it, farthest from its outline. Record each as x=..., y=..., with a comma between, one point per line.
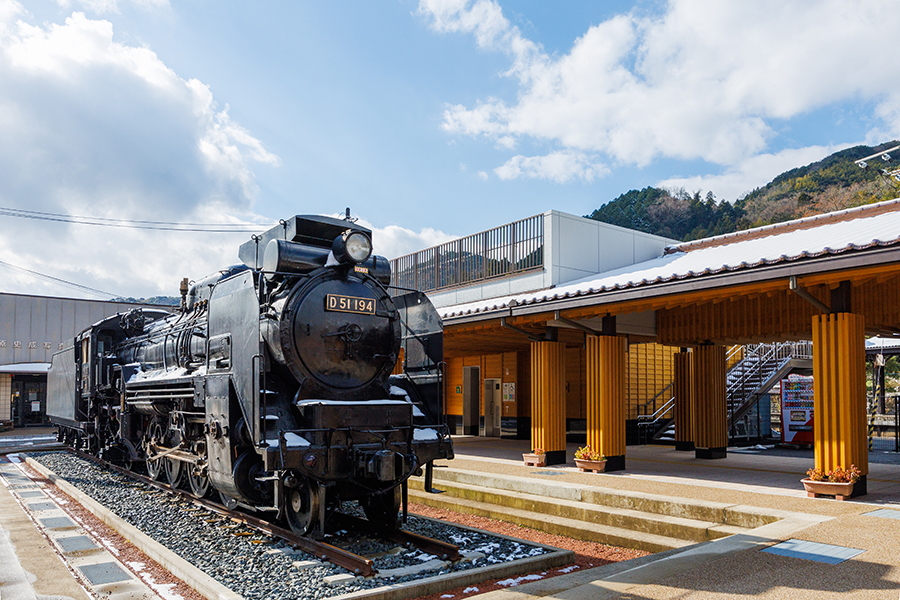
x=548, y=400
x=839, y=394
x=684, y=401
x=710, y=421
x=606, y=402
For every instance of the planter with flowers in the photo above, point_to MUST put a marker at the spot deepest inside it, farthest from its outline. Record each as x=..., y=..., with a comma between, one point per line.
x=535, y=458
x=588, y=459
x=838, y=483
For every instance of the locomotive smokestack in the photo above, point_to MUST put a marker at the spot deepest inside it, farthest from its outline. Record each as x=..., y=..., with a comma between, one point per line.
x=347, y=215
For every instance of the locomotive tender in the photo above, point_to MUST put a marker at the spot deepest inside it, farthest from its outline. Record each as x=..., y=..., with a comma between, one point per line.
x=273, y=384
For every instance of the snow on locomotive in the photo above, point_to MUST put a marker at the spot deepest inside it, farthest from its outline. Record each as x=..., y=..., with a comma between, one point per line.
x=273, y=385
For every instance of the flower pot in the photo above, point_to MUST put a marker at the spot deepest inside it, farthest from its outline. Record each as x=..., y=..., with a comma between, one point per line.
x=815, y=489
x=596, y=466
x=534, y=460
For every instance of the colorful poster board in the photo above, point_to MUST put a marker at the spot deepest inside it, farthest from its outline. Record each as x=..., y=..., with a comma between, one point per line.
x=797, y=410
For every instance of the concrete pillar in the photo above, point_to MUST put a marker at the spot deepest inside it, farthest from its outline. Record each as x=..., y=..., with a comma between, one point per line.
x=839, y=394
x=684, y=402
x=709, y=417
x=548, y=400
x=606, y=402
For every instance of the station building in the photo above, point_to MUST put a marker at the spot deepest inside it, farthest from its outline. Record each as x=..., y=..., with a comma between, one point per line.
x=488, y=386
x=32, y=329
x=568, y=349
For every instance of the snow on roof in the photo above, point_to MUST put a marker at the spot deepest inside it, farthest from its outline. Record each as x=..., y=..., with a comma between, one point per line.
x=833, y=237
x=25, y=368
x=878, y=343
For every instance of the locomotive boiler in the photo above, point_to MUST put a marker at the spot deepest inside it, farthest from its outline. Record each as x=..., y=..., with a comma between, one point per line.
x=287, y=384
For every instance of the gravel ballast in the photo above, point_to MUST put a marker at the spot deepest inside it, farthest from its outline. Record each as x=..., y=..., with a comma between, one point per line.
x=259, y=567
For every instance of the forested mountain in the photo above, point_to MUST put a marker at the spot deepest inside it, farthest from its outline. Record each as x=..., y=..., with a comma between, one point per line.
x=159, y=300
x=832, y=183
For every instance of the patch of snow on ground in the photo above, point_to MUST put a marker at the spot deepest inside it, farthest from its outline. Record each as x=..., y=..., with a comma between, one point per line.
x=470, y=590
x=517, y=580
x=163, y=589
x=568, y=569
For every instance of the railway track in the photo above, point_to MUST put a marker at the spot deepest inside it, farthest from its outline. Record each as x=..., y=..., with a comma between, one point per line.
x=356, y=564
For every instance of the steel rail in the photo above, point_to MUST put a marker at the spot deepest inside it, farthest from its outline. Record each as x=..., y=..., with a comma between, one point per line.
x=444, y=550
x=352, y=562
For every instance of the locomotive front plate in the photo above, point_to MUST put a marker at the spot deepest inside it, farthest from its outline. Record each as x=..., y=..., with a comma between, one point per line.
x=351, y=304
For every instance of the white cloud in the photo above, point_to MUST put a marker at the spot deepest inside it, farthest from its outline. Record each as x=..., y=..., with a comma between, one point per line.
x=750, y=173
x=704, y=80
x=112, y=6
x=560, y=167
x=95, y=127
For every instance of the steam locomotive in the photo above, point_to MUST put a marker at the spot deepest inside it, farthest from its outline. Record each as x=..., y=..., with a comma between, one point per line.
x=274, y=385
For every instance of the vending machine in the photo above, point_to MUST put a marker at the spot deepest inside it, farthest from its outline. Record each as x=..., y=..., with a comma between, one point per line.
x=797, y=410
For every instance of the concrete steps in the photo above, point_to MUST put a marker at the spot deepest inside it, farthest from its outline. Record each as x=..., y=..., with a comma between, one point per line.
x=630, y=519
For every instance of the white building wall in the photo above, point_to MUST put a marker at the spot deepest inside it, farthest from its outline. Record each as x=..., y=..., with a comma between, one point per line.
x=574, y=248
x=32, y=327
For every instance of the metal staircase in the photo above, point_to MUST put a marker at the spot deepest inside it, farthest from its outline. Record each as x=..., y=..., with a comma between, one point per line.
x=756, y=369
x=762, y=366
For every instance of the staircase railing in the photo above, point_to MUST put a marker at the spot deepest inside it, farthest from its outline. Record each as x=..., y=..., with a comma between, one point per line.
x=642, y=408
x=760, y=363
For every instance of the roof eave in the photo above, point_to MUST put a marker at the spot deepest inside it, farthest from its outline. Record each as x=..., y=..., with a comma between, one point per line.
x=851, y=259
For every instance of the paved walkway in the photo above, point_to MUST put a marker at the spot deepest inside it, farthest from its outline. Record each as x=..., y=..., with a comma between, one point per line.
x=735, y=567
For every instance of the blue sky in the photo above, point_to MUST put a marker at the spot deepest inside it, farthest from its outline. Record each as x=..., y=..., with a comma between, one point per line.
x=429, y=119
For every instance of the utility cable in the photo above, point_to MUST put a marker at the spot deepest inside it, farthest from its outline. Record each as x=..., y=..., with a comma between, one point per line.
x=134, y=224
x=60, y=281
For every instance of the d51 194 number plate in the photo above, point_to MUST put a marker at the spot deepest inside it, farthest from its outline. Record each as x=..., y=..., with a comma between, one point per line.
x=351, y=304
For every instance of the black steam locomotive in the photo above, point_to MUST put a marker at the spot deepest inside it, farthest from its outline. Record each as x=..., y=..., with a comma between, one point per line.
x=274, y=383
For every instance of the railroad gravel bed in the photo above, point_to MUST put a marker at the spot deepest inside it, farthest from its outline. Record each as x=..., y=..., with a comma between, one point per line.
x=257, y=566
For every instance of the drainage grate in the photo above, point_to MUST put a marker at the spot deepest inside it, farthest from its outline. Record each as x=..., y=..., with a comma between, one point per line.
x=57, y=523
x=825, y=553
x=104, y=573
x=34, y=494
x=75, y=543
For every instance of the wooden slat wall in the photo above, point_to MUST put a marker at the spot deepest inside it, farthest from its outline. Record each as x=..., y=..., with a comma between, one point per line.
x=606, y=394
x=684, y=399
x=575, y=375
x=548, y=391
x=708, y=391
x=650, y=369
x=839, y=388
x=777, y=316
x=453, y=379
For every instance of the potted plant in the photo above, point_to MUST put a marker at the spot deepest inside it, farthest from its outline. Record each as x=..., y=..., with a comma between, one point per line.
x=837, y=483
x=535, y=458
x=588, y=459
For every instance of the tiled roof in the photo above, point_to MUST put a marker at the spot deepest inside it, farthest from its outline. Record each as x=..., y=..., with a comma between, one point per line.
x=868, y=227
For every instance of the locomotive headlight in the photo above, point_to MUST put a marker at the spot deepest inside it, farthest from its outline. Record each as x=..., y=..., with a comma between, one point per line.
x=352, y=246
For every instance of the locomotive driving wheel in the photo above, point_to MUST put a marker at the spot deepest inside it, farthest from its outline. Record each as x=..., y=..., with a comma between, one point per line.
x=382, y=509
x=174, y=472
x=155, y=468
x=198, y=481
x=301, y=506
